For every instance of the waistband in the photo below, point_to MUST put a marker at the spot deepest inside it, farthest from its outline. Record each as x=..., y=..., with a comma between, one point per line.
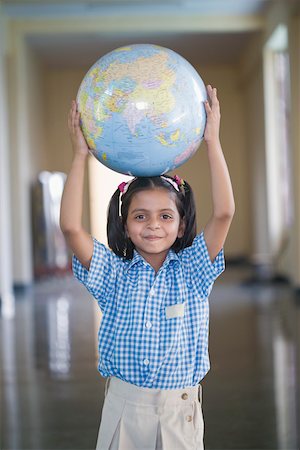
x=137, y=394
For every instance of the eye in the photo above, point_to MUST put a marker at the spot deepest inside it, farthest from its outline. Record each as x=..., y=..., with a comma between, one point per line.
x=167, y=217
x=140, y=217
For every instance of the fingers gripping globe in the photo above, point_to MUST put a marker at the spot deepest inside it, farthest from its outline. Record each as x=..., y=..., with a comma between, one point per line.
x=142, y=110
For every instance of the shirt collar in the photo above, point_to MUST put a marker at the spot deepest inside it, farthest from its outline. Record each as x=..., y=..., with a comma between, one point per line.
x=138, y=259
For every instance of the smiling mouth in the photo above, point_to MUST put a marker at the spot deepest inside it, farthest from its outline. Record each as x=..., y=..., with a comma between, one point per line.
x=152, y=238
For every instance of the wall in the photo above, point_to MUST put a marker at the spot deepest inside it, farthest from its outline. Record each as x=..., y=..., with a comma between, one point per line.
x=288, y=262
x=6, y=276
x=27, y=154
x=226, y=79
x=40, y=97
x=251, y=80
x=59, y=89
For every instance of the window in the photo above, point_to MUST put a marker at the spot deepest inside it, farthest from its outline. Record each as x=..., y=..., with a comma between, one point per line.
x=277, y=117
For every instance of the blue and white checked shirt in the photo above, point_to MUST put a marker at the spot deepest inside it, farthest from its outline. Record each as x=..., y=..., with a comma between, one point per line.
x=154, y=328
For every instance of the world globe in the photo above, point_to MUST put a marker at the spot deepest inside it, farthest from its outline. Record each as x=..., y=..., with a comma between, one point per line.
x=142, y=110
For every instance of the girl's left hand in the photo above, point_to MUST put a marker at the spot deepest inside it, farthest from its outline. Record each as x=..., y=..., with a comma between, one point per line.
x=212, y=108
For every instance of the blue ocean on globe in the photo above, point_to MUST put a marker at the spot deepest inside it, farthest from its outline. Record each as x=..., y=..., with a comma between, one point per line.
x=142, y=110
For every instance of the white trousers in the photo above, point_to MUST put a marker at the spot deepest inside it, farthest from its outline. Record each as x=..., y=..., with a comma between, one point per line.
x=138, y=418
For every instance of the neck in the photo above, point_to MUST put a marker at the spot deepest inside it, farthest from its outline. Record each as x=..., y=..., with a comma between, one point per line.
x=156, y=260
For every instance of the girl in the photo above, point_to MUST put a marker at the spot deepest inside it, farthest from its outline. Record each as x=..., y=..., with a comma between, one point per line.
x=152, y=288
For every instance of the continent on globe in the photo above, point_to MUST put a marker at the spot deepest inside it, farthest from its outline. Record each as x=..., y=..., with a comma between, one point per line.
x=142, y=110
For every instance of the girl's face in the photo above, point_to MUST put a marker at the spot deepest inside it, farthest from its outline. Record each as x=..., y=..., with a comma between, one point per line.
x=153, y=224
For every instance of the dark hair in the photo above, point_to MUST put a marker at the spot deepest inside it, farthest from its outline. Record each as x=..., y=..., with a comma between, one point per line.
x=118, y=241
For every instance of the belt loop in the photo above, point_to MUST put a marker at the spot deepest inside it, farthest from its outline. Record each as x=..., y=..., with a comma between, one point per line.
x=106, y=386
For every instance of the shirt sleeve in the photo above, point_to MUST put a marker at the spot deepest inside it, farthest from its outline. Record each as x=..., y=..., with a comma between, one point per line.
x=204, y=271
x=100, y=277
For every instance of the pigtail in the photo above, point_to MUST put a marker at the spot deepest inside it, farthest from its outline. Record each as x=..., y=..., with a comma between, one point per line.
x=115, y=228
x=188, y=212
x=117, y=239
x=190, y=215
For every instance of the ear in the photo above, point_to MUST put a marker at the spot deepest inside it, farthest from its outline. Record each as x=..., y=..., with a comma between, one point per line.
x=181, y=228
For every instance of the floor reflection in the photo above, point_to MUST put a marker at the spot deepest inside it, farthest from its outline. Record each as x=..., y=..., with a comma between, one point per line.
x=58, y=312
x=52, y=394
x=51, y=389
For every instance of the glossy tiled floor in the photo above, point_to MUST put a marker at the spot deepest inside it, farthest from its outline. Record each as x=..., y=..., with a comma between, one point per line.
x=52, y=395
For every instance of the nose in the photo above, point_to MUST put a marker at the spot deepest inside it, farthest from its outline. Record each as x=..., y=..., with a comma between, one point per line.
x=153, y=224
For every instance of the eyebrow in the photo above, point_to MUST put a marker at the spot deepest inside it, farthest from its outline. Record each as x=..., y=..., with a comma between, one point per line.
x=147, y=210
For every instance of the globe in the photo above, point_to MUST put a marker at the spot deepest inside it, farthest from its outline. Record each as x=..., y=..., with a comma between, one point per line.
x=142, y=110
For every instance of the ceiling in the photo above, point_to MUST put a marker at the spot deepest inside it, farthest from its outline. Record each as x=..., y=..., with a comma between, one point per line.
x=83, y=50
x=214, y=6
x=35, y=7
x=209, y=44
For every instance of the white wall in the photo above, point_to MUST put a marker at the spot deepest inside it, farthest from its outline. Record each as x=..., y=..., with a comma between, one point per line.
x=6, y=274
x=21, y=163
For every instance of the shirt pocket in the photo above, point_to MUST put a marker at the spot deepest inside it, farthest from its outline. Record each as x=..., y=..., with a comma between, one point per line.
x=171, y=327
x=173, y=311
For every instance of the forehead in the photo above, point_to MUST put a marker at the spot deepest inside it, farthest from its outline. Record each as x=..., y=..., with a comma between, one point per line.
x=153, y=199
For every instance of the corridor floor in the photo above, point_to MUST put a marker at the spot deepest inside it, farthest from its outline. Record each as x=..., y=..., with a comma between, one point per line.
x=52, y=394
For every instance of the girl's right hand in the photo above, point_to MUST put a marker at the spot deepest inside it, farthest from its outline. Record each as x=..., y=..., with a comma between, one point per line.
x=78, y=141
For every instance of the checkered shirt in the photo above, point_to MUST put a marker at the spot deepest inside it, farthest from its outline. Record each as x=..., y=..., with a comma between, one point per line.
x=154, y=328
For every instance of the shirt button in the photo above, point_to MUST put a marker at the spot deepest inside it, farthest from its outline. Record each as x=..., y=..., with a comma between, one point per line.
x=189, y=418
x=146, y=362
x=151, y=292
x=184, y=396
x=148, y=324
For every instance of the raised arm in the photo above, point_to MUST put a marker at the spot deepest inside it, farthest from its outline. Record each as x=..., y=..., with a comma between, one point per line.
x=217, y=228
x=78, y=239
